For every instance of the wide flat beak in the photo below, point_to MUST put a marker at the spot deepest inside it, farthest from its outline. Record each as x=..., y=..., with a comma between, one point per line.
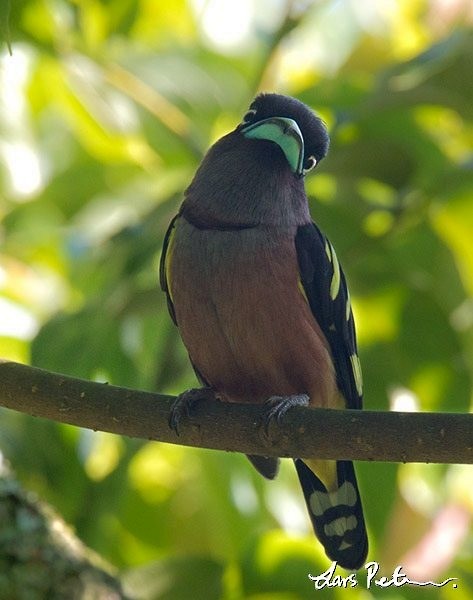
x=286, y=134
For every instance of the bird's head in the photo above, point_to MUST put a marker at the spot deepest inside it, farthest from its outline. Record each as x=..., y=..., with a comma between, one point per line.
x=254, y=174
x=287, y=122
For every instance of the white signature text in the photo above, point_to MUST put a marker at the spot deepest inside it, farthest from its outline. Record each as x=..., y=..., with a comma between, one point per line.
x=328, y=578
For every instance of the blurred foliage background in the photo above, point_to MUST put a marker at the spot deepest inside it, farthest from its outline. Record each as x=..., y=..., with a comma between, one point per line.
x=106, y=108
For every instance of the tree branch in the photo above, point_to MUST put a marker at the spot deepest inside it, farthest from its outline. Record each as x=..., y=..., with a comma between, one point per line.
x=41, y=557
x=304, y=432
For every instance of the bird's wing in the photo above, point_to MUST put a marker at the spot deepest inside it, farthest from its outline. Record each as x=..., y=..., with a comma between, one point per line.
x=325, y=288
x=164, y=267
x=330, y=487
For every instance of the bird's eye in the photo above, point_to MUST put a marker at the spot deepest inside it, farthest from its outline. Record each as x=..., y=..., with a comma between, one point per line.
x=309, y=164
x=249, y=116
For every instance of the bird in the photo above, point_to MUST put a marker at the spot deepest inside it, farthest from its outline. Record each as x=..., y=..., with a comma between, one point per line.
x=261, y=302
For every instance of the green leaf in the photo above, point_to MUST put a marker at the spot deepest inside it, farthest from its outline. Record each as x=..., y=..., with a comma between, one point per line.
x=86, y=344
x=4, y=23
x=176, y=578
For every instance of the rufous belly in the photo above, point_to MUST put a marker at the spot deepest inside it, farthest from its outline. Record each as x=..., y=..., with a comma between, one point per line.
x=243, y=318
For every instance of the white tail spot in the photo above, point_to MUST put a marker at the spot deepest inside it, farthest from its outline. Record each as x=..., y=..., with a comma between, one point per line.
x=344, y=545
x=341, y=525
x=321, y=501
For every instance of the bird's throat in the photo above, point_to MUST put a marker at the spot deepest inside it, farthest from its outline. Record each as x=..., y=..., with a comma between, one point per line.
x=204, y=222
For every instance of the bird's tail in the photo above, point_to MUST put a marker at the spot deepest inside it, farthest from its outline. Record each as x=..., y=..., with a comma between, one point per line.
x=334, y=505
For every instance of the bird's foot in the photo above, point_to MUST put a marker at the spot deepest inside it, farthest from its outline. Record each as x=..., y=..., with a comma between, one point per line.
x=277, y=406
x=183, y=404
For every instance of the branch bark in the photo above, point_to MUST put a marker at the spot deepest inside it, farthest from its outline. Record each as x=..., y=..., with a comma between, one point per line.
x=40, y=556
x=303, y=432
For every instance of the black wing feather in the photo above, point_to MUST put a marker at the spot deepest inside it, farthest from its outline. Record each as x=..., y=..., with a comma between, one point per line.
x=333, y=316
x=162, y=270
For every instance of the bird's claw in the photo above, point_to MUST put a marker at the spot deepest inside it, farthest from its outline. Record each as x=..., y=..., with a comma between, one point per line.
x=183, y=404
x=277, y=406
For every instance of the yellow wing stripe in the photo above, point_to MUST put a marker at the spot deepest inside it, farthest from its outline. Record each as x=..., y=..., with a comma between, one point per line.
x=300, y=285
x=356, y=369
x=167, y=262
x=335, y=283
x=348, y=306
x=327, y=250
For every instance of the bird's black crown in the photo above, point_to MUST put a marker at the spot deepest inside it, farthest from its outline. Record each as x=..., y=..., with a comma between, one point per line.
x=314, y=131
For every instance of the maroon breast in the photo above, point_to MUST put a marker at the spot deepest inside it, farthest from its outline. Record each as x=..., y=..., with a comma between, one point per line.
x=243, y=317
